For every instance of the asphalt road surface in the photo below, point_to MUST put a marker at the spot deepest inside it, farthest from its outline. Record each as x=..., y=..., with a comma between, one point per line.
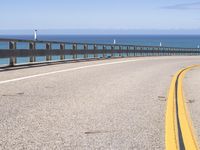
x=114, y=104
x=192, y=95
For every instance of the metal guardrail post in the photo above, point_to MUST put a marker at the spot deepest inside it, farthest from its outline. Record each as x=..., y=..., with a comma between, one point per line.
x=85, y=51
x=13, y=60
x=147, y=53
x=74, y=51
x=104, y=51
x=62, y=47
x=157, y=52
x=172, y=51
x=134, y=51
x=127, y=51
x=32, y=48
x=182, y=51
x=177, y=52
x=168, y=52
x=95, y=51
x=141, y=51
x=152, y=53
x=112, y=49
x=48, y=48
x=163, y=52
x=120, y=51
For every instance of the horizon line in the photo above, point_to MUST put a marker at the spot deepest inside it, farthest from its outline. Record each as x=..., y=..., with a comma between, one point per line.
x=101, y=31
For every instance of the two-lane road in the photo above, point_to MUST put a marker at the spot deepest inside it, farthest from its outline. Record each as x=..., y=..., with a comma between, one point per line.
x=109, y=104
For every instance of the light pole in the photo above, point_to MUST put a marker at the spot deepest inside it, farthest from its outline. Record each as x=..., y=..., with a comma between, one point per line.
x=35, y=35
x=114, y=42
x=160, y=44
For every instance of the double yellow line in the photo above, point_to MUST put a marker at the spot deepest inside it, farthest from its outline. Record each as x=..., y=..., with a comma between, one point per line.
x=179, y=133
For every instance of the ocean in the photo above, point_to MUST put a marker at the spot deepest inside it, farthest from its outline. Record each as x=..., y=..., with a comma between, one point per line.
x=188, y=41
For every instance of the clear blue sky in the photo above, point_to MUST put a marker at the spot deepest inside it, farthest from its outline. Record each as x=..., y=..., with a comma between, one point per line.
x=100, y=14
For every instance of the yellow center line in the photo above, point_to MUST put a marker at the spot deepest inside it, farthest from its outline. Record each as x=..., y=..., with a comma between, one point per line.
x=179, y=133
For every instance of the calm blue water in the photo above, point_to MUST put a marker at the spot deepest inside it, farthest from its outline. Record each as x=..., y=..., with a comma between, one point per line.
x=190, y=41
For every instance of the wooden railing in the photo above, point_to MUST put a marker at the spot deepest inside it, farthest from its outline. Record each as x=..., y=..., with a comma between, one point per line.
x=84, y=50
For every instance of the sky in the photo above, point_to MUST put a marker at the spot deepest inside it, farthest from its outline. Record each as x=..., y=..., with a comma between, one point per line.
x=121, y=16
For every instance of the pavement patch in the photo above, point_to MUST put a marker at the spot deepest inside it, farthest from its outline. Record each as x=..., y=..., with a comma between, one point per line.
x=161, y=98
x=96, y=132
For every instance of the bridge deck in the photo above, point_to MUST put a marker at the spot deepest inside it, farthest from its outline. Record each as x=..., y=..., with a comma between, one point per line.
x=116, y=104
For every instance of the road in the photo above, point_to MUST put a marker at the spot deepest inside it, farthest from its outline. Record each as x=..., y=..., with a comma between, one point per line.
x=108, y=104
x=192, y=90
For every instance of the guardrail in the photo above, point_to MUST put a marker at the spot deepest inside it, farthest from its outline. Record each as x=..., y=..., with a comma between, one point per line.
x=85, y=50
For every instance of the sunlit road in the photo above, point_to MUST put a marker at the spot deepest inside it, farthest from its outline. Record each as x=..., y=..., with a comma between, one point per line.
x=192, y=94
x=109, y=104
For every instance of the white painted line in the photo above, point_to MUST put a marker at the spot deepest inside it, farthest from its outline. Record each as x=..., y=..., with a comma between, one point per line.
x=71, y=69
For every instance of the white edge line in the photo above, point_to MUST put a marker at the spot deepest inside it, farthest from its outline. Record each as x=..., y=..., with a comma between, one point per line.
x=66, y=70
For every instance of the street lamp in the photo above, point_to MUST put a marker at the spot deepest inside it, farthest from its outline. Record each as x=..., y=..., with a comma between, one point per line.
x=35, y=35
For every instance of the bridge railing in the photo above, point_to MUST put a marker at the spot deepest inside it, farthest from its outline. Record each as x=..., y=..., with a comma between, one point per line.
x=14, y=48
